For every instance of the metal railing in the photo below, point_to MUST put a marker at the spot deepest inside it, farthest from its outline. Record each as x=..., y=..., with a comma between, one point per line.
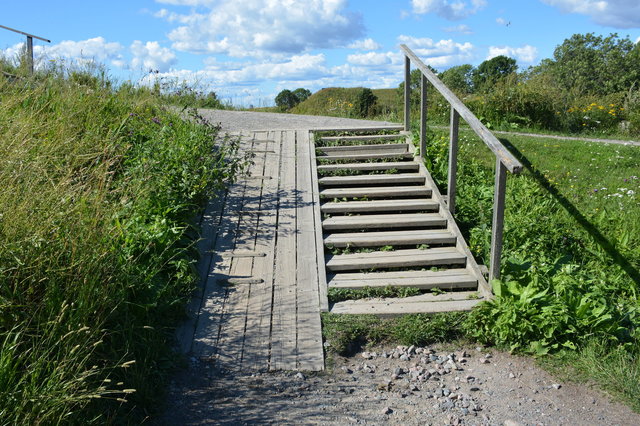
x=30, y=38
x=504, y=159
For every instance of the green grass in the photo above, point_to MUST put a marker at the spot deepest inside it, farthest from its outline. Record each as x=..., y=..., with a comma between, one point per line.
x=100, y=189
x=340, y=102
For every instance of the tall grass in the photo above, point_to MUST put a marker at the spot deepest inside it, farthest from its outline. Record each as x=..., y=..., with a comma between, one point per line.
x=100, y=187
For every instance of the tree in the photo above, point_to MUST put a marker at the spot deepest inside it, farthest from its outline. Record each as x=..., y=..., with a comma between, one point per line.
x=302, y=94
x=414, y=85
x=286, y=100
x=492, y=70
x=365, y=102
x=593, y=64
x=458, y=78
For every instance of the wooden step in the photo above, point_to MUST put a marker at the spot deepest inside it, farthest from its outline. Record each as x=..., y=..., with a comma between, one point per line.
x=361, y=138
x=390, y=165
x=422, y=304
x=364, y=157
x=399, y=179
x=445, y=279
x=396, y=259
x=409, y=220
x=379, y=206
x=376, y=192
x=390, y=238
x=363, y=149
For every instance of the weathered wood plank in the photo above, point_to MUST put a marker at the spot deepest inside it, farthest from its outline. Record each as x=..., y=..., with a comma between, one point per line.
x=376, y=192
x=364, y=129
x=404, y=237
x=367, y=156
x=389, y=165
x=394, y=307
x=384, y=221
x=317, y=218
x=360, y=149
x=360, y=138
x=396, y=259
x=256, y=346
x=283, y=334
x=309, y=340
x=379, y=206
x=445, y=279
x=395, y=179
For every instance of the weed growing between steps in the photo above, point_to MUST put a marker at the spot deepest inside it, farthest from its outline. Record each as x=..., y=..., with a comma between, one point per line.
x=100, y=188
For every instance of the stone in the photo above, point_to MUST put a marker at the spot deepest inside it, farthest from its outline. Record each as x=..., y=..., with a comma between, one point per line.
x=556, y=385
x=512, y=376
x=386, y=411
x=300, y=376
x=404, y=357
x=484, y=361
x=346, y=369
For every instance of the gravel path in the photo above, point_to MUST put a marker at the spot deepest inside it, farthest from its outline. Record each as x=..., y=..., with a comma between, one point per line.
x=233, y=121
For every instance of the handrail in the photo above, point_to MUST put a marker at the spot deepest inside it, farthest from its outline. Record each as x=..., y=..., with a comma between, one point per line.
x=30, y=38
x=504, y=159
x=507, y=158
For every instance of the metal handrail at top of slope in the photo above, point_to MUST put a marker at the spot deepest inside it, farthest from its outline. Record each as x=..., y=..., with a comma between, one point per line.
x=505, y=160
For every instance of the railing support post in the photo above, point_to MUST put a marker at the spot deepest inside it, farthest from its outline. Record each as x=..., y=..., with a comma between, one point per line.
x=453, y=160
x=423, y=116
x=29, y=57
x=498, y=220
x=407, y=93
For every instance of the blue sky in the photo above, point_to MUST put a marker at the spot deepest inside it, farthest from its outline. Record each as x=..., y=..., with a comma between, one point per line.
x=249, y=50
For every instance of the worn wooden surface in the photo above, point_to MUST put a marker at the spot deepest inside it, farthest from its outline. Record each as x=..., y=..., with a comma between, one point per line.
x=260, y=305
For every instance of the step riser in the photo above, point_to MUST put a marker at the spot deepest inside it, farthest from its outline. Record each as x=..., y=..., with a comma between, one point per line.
x=423, y=284
x=435, y=223
x=395, y=263
x=364, y=157
x=336, y=241
x=375, y=193
x=364, y=149
x=365, y=167
x=371, y=180
x=373, y=207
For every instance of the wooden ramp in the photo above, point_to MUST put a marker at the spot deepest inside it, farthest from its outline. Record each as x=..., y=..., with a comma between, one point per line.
x=260, y=305
x=385, y=223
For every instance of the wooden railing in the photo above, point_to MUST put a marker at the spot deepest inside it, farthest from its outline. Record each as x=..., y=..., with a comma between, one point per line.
x=504, y=159
x=29, y=52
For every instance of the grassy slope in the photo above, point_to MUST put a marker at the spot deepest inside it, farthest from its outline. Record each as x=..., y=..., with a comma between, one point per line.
x=99, y=188
x=339, y=102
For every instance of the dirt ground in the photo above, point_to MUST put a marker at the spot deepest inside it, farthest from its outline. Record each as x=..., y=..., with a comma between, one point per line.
x=397, y=385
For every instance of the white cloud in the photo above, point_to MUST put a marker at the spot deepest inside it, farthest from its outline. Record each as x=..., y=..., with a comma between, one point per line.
x=366, y=44
x=373, y=59
x=451, y=10
x=501, y=21
x=263, y=28
x=441, y=53
x=612, y=13
x=151, y=56
x=638, y=40
x=462, y=29
x=527, y=54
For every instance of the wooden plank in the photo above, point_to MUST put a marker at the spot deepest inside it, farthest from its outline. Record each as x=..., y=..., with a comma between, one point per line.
x=390, y=165
x=357, y=149
x=395, y=307
x=317, y=218
x=234, y=321
x=423, y=116
x=379, y=206
x=398, y=179
x=283, y=328
x=309, y=335
x=445, y=279
x=258, y=329
x=407, y=93
x=383, y=221
x=501, y=152
x=364, y=128
x=368, y=156
x=396, y=259
x=453, y=161
x=498, y=219
x=360, y=138
x=376, y=192
x=384, y=238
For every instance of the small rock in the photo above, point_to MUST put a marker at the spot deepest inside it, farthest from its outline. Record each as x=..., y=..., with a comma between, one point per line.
x=556, y=385
x=398, y=371
x=511, y=423
x=484, y=361
x=474, y=389
x=346, y=369
x=366, y=355
x=411, y=350
x=300, y=376
x=464, y=411
x=512, y=376
x=404, y=357
x=488, y=356
x=478, y=348
x=386, y=411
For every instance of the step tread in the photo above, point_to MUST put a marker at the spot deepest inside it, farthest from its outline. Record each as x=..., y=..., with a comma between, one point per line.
x=396, y=259
x=361, y=137
x=425, y=303
x=376, y=191
x=372, y=156
x=399, y=165
x=361, y=149
x=373, y=179
x=378, y=205
x=383, y=238
x=447, y=278
x=384, y=220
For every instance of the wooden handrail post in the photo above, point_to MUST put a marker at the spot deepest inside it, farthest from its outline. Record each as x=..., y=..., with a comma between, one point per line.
x=453, y=160
x=423, y=116
x=498, y=220
x=29, y=57
x=407, y=93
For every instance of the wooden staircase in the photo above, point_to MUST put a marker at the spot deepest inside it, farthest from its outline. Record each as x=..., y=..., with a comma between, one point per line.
x=384, y=223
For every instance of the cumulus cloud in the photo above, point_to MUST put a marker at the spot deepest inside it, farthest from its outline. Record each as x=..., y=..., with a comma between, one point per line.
x=151, y=56
x=501, y=21
x=527, y=54
x=611, y=13
x=462, y=29
x=440, y=53
x=366, y=44
x=262, y=28
x=373, y=59
x=451, y=10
